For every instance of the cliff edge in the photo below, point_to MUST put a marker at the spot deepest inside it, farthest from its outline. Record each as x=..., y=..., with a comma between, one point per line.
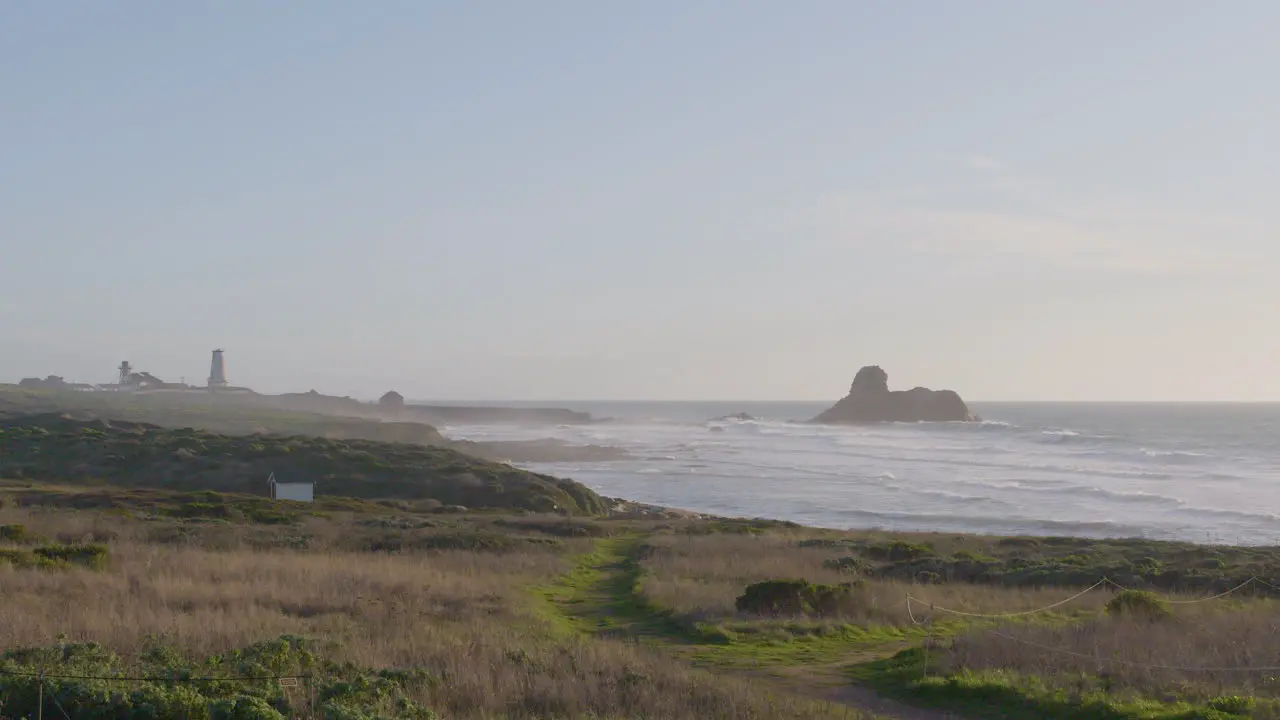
x=870, y=400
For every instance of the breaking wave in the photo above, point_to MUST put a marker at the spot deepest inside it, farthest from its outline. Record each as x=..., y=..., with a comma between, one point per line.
x=1078, y=470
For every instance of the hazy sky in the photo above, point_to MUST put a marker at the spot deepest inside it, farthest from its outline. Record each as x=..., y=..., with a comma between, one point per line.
x=667, y=199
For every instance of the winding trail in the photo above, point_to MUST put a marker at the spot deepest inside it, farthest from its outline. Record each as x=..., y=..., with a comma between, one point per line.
x=600, y=596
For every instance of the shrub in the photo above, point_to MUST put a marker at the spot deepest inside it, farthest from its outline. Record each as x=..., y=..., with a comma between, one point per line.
x=559, y=528
x=1148, y=566
x=973, y=557
x=832, y=543
x=201, y=510
x=23, y=560
x=343, y=692
x=244, y=707
x=268, y=515
x=899, y=551
x=795, y=597
x=1233, y=705
x=1138, y=603
x=469, y=540
x=847, y=564
x=89, y=555
x=14, y=533
x=1018, y=542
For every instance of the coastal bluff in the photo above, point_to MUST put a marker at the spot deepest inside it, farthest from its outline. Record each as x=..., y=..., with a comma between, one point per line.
x=871, y=401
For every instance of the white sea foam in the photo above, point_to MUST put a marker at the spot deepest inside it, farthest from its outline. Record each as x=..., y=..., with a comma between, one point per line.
x=1068, y=469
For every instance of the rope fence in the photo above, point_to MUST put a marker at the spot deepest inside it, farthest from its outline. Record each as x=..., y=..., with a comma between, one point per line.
x=1130, y=663
x=1104, y=581
x=961, y=613
x=927, y=621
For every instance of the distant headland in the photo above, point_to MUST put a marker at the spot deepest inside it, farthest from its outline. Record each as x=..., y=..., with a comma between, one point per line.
x=391, y=407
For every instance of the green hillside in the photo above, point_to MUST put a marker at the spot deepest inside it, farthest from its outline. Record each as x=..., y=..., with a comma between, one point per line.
x=53, y=447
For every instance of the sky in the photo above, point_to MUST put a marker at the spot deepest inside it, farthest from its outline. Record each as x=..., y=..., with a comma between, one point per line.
x=671, y=199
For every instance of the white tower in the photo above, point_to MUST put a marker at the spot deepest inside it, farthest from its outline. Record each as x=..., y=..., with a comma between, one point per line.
x=217, y=371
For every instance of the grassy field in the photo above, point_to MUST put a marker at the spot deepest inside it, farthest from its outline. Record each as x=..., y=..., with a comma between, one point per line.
x=387, y=609
x=454, y=619
x=1169, y=655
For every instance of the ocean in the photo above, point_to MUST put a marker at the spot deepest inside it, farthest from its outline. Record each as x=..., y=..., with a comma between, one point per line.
x=1206, y=473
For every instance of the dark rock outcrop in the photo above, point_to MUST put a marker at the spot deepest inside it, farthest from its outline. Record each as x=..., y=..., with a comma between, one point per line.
x=870, y=401
x=740, y=417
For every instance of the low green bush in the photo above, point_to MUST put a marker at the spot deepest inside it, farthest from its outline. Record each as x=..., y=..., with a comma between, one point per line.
x=848, y=564
x=201, y=510
x=1234, y=704
x=795, y=597
x=268, y=515
x=341, y=692
x=56, y=557
x=971, y=556
x=14, y=533
x=1138, y=603
x=88, y=555
x=831, y=543
x=25, y=560
x=566, y=527
x=899, y=550
x=479, y=541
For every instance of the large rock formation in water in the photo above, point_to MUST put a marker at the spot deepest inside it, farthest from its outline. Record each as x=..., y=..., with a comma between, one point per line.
x=870, y=400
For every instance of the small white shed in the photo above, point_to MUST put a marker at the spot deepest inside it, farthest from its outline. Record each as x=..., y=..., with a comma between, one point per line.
x=300, y=491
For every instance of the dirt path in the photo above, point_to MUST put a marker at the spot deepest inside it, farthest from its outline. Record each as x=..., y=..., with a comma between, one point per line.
x=600, y=597
x=866, y=699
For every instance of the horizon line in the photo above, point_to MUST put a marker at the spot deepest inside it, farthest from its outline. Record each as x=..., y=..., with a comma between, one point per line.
x=417, y=401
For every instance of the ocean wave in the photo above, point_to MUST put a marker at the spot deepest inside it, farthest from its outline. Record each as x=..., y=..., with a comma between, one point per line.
x=993, y=524
x=1231, y=514
x=1174, y=456
x=949, y=496
x=1004, y=466
x=1069, y=471
x=1073, y=489
x=1131, y=496
x=844, y=461
x=1066, y=436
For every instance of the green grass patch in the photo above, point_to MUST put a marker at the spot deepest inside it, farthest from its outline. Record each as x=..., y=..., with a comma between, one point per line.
x=339, y=691
x=600, y=595
x=912, y=676
x=56, y=557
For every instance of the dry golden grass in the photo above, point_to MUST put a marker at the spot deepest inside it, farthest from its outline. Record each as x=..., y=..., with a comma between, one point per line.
x=700, y=576
x=1205, y=650
x=466, y=617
